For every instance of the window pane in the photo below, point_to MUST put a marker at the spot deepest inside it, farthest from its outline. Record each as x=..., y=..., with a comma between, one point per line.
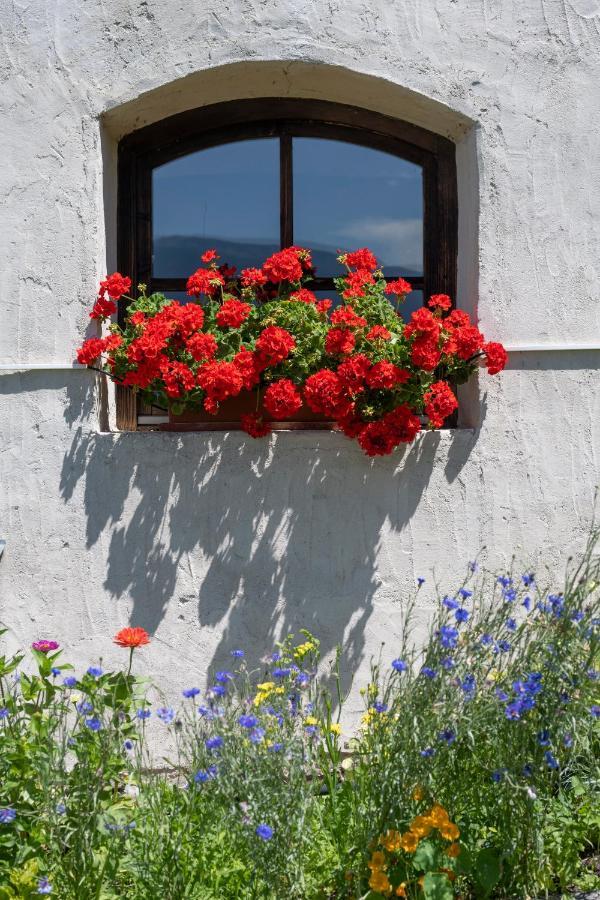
x=225, y=197
x=347, y=196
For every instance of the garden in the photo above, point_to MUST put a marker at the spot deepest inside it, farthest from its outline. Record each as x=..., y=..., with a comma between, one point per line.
x=473, y=772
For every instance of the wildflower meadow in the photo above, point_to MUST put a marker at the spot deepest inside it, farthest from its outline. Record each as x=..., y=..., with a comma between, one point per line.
x=473, y=773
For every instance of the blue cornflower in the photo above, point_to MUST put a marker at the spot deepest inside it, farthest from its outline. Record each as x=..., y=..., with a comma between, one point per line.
x=447, y=735
x=213, y=743
x=564, y=697
x=238, y=654
x=420, y=581
x=468, y=685
x=302, y=679
x=55, y=671
x=399, y=665
x=84, y=707
x=595, y=711
x=94, y=671
x=501, y=695
x=70, y=681
x=61, y=809
x=568, y=740
x=497, y=776
x=450, y=602
x=544, y=738
x=93, y=724
x=527, y=770
x=310, y=730
x=309, y=707
x=191, y=692
x=461, y=615
x=527, y=603
x=248, y=721
x=7, y=815
x=427, y=672
x=428, y=752
x=557, y=603
x=577, y=616
x=257, y=735
x=276, y=656
x=448, y=637
x=513, y=710
x=551, y=761
x=165, y=714
x=511, y=624
x=504, y=580
x=275, y=747
x=380, y=707
x=204, y=775
x=592, y=674
x=206, y=712
x=528, y=579
x=447, y=662
x=486, y=639
x=504, y=646
x=217, y=690
x=465, y=594
x=264, y=832
x=44, y=886
x=223, y=677
x=143, y=713
x=509, y=594
x=4, y=713
x=128, y=744
x=281, y=673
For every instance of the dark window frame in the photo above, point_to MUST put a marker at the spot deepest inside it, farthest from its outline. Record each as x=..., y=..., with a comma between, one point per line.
x=184, y=133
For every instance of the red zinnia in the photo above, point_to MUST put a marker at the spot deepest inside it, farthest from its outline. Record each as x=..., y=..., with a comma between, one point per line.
x=282, y=399
x=132, y=637
x=233, y=313
x=496, y=355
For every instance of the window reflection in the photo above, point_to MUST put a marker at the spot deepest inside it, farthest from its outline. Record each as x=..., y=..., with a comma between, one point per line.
x=225, y=197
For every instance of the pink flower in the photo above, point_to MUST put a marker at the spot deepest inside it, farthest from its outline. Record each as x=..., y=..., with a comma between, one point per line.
x=44, y=646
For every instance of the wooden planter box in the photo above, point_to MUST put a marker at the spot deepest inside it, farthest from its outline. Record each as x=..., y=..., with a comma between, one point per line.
x=230, y=412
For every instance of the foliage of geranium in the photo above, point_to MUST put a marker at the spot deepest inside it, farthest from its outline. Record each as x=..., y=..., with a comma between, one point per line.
x=358, y=364
x=474, y=772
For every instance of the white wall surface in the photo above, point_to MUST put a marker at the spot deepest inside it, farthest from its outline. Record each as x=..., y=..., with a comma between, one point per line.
x=215, y=541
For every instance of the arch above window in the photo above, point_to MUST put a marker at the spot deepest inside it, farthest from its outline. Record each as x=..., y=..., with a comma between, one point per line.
x=252, y=176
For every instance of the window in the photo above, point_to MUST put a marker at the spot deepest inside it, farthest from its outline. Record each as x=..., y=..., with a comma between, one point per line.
x=250, y=177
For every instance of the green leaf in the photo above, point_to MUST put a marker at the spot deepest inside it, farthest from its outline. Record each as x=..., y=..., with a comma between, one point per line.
x=488, y=869
x=437, y=886
x=427, y=857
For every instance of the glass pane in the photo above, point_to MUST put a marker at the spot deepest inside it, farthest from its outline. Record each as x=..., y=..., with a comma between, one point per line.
x=413, y=301
x=347, y=196
x=225, y=197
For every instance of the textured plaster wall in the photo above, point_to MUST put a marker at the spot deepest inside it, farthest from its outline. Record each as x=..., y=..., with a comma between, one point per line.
x=213, y=541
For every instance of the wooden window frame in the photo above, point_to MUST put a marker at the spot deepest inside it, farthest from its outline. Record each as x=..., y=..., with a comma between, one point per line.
x=209, y=126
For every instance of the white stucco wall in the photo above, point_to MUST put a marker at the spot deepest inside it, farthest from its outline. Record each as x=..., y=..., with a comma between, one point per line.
x=214, y=541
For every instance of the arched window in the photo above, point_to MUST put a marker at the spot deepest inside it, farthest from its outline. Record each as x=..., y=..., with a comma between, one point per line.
x=253, y=176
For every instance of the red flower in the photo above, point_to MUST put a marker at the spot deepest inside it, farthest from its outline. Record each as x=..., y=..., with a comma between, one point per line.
x=497, y=357
x=209, y=255
x=324, y=305
x=246, y=364
x=274, y=344
x=254, y=425
x=377, y=439
x=385, y=375
x=360, y=259
x=188, y=317
x=202, y=346
x=468, y=340
x=355, y=283
x=227, y=271
x=345, y=315
x=90, y=351
x=132, y=637
x=282, y=399
x=400, y=286
x=440, y=402
x=233, y=313
x=137, y=318
x=283, y=266
x=253, y=277
x=378, y=333
x=219, y=380
x=44, y=646
x=178, y=377
x=457, y=318
x=425, y=353
x=204, y=281
x=103, y=308
x=324, y=393
x=440, y=301
x=424, y=322
x=353, y=371
x=339, y=341
x=351, y=425
x=115, y=286
x=403, y=423
x=303, y=296
x=112, y=341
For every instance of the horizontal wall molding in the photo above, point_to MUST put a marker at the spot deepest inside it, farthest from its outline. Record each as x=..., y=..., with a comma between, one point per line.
x=551, y=348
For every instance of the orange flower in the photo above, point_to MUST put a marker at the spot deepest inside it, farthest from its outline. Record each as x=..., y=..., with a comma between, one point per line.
x=409, y=842
x=421, y=826
x=418, y=793
x=391, y=841
x=450, y=831
x=401, y=890
x=377, y=861
x=379, y=881
x=453, y=850
x=132, y=637
x=438, y=816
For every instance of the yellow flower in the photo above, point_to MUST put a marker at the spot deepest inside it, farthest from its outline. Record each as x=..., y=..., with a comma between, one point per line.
x=418, y=793
x=377, y=860
x=379, y=881
x=335, y=728
x=302, y=649
x=438, y=816
x=450, y=831
x=266, y=686
x=391, y=840
x=453, y=850
x=421, y=826
x=409, y=842
x=310, y=720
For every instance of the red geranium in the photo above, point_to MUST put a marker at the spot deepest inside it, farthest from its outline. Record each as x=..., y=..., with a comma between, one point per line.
x=324, y=393
x=273, y=346
x=353, y=371
x=115, y=285
x=90, y=351
x=440, y=301
x=468, y=340
x=360, y=259
x=324, y=305
x=385, y=375
x=339, y=341
x=458, y=318
x=425, y=354
x=202, y=346
x=233, y=313
x=204, y=281
x=178, y=377
x=303, y=296
x=378, y=333
x=356, y=283
x=422, y=321
x=440, y=402
x=282, y=399
x=103, y=308
x=254, y=425
x=137, y=318
x=345, y=315
x=496, y=356
x=377, y=439
x=253, y=277
x=209, y=255
x=283, y=266
x=399, y=287
x=219, y=380
x=403, y=423
x=248, y=369
x=351, y=425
